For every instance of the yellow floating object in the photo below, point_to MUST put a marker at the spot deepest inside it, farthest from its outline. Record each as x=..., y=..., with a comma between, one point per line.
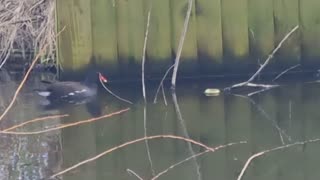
x=212, y=92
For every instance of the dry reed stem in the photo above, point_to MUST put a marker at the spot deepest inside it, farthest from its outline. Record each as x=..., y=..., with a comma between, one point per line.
x=270, y=150
x=266, y=61
x=26, y=25
x=194, y=156
x=42, y=50
x=35, y=120
x=134, y=173
x=144, y=53
x=66, y=125
x=129, y=143
x=180, y=46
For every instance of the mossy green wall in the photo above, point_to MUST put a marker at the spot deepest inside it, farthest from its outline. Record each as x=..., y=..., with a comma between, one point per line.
x=221, y=33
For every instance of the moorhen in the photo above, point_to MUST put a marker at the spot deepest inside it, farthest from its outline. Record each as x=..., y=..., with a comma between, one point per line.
x=72, y=92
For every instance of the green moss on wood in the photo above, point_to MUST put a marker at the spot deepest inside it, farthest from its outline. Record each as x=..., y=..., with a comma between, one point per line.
x=159, y=38
x=104, y=32
x=179, y=10
x=286, y=17
x=235, y=28
x=74, y=43
x=261, y=28
x=310, y=28
x=209, y=31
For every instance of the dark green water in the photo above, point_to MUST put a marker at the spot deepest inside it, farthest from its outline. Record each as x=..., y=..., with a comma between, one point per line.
x=274, y=118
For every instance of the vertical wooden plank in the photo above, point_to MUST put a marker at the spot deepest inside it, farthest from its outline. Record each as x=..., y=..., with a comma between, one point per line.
x=310, y=27
x=104, y=34
x=209, y=33
x=159, y=46
x=235, y=29
x=75, y=42
x=137, y=26
x=131, y=28
x=179, y=10
x=286, y=17
x=261, y=28
x=123, y=31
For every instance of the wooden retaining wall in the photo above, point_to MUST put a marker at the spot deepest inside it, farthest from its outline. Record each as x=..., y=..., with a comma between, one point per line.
x=222, y=34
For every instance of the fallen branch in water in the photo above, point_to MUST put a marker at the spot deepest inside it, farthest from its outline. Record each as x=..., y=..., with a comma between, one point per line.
x=66, y=125
x=194, y=156
x=134, y=173
x=246, y=83
x=35, y=120
x=270, y=150
x=129, y=143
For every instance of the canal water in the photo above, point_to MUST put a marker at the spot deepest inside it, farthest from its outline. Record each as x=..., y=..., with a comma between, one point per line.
x=278, y=117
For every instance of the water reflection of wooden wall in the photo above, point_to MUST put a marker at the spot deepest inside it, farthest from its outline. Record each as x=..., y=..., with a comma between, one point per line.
x=220, y=32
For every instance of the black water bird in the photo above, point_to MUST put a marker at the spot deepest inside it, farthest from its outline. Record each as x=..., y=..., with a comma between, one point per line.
x=72, y=92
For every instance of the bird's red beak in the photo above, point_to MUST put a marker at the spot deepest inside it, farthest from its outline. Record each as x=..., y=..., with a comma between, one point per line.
x=102, y=78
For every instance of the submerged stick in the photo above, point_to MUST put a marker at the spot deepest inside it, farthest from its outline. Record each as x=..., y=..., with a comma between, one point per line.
x=181, y=42
x=194, y=156
x=129, y=143
x=66, y=125
x=134, y=173
x=35, y=120
x=270, y=150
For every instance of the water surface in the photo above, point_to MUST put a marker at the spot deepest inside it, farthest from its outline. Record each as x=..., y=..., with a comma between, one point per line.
x=273, y=118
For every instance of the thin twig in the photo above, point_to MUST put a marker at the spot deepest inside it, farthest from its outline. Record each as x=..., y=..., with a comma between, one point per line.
x=134, y=173
x=66, y=125
x=270, y=150
x=285, y=71
x=144, y=53
x=181, y=42
x=194, y=156
x=129, y=143
x=161, y=83
x=164, y=95
x=116, y=96
x=35, y=120
x=266, y=62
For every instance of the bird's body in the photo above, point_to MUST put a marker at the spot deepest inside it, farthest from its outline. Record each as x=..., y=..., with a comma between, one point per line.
x=72, y=92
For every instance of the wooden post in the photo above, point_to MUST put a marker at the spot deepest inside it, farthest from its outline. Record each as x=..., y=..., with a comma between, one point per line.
x=75, y=42
x=209, y=34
